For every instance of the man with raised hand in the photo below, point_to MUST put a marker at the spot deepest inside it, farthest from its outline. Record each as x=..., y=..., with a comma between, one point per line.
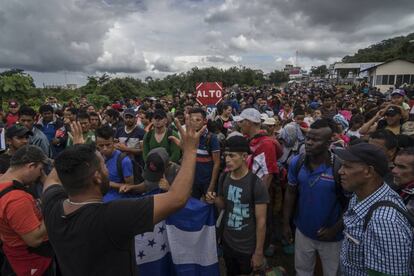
x=88, y=234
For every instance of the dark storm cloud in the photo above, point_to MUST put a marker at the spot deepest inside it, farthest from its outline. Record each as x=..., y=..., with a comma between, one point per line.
x=163, y=36
x=346, y=15
x=48, y=35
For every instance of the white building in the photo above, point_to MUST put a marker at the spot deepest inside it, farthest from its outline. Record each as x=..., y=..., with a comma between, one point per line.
x=393, y=73
x=350, y=71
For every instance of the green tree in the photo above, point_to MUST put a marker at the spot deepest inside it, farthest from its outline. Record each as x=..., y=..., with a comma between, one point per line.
x=15, y=84
x=278, y=77
x=319, y=71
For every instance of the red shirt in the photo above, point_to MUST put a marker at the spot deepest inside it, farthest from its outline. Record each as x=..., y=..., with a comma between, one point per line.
x=11, y=119
x=263, y=159
x=20, y=215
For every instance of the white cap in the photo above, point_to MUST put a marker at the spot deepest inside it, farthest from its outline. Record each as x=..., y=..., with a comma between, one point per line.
x=270, y=122
x=264, y=116
x=250, y=114
x=270, y=113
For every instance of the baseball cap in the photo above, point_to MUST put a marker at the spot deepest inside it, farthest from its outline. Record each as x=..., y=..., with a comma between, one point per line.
x=117, y=106
x=398, y=92
x=269, y=122
x=13, y=104
x=314, y=105
x=408, y=128
x=157, y=160
x=392, y=110
x=249, y=114
x=366, y=153
x=29, y=154
x=237, y=144
x=160, y=114
x=17, y=130
x=130, y=111
x=264, y=116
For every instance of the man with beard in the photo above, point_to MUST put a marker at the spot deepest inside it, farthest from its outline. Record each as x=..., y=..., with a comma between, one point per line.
x=95, y=238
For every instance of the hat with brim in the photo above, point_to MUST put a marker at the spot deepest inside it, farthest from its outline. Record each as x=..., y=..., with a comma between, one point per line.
x=398, y=92
x=270, y=122
x=249, y=114
x=129, y=111
x=392, y=111
x=368, y=154
x=237, y=144
x=157, y=160
x=408, y=128
x=13, y=104
x=18, y=131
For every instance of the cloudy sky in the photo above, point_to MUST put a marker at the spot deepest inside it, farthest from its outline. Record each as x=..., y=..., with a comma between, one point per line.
x=60, y=41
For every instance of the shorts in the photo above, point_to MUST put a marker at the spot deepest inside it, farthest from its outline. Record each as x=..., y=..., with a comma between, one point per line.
x=236, y=263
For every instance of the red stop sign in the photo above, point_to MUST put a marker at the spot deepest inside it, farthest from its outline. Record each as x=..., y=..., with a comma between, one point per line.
x=209, y=93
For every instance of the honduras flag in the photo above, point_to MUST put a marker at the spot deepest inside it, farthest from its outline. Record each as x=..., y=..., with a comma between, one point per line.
x=183, y=244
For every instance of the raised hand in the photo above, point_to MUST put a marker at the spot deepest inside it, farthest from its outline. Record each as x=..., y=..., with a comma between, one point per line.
x=190, y=137
x=76, y=133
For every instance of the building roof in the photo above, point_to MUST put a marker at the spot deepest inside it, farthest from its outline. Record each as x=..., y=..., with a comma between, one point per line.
x=354, y=65
x=383, y=63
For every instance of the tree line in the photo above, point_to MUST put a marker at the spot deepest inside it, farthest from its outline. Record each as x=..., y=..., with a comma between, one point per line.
x=397, y=47
x=19, y=85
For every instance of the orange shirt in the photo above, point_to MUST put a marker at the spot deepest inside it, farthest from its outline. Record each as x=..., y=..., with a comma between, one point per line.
x=19, y=215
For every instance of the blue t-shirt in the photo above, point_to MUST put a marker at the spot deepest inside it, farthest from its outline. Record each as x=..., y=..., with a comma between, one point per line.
x=204, y=165
x=127, y=171
x=317, y=204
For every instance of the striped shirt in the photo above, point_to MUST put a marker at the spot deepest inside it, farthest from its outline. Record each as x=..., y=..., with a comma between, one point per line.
x=387, y=244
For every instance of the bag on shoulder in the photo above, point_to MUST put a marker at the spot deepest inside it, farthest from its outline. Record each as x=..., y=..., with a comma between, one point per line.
x=136, y=168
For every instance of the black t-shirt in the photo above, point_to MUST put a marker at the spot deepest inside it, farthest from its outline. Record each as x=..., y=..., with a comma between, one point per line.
x=98, y=238
x=239, y=219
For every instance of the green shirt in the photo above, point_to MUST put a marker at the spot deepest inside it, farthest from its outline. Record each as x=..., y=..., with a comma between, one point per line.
x=150, y=143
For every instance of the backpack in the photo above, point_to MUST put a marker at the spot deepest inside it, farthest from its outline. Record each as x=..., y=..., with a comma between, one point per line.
x=387, y=203
x=45, y=248
x=136, y=168
x=341, y=195
x=278, y=150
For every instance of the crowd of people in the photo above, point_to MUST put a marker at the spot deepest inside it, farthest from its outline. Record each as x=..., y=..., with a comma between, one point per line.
x=328, y=172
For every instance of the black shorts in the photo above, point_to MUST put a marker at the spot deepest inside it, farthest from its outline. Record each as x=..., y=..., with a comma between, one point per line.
x=236, y=263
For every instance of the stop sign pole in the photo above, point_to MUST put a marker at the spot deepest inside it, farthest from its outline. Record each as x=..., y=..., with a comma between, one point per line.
x=209, y=93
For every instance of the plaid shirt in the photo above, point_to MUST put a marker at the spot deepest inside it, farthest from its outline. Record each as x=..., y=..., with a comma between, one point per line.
x=387, y=244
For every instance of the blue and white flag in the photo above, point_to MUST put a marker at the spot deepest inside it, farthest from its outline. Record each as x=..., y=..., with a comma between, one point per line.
x=183, y=244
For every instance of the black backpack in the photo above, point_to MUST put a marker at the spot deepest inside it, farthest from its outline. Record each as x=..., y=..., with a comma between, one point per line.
x=342, y=196
x=136, y=168
x=387, y=203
